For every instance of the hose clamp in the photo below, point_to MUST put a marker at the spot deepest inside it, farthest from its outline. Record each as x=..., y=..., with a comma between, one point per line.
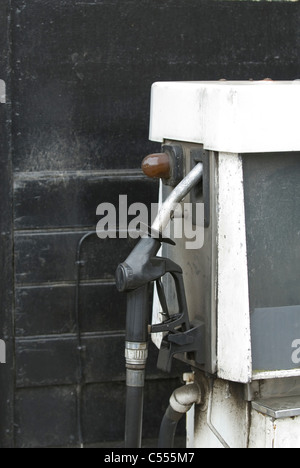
x=136, y=354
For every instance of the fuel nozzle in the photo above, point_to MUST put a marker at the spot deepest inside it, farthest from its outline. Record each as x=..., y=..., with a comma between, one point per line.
x=137, y=269
x=134, y=276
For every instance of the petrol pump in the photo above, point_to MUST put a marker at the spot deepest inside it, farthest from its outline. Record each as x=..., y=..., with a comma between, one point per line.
x=228, y=304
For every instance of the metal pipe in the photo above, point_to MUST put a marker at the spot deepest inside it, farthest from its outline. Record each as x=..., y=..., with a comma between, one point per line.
x=183, y=398
x=80, y=379
x=177, y=195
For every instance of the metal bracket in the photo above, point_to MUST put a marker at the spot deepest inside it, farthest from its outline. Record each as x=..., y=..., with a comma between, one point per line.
x=278, y=408
x=176, y=155
x=190, y=341
x=201, y=192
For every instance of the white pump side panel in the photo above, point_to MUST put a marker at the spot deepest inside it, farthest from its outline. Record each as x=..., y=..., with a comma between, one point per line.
x=234, y=337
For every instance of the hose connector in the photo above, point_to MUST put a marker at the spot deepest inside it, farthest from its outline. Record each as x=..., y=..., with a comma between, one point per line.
x=136, y=355
x=183, y=398
x=181, y=401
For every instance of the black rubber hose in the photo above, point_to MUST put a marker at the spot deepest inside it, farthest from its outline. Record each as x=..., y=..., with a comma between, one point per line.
x=137, y=320
x=168, y=428
x=134, y=417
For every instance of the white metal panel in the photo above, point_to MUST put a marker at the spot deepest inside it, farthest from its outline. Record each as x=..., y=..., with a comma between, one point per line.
x=2, y=92
x=233, y=335
x=228, y=418
x=269, y=433
x=228, y=116
x=287, y=433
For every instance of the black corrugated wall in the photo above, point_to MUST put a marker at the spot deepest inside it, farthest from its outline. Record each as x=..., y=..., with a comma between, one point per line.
x=73, y=132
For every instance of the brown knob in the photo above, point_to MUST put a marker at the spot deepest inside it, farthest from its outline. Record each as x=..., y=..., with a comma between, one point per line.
x=157, y=165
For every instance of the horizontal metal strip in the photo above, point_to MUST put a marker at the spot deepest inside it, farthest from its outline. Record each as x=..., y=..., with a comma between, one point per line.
x=107, y=173
x=69, y=336
x=63, y=284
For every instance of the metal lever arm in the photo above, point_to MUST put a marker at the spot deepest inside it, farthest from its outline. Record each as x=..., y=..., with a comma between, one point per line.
x=181, y=319
x=180, y=337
